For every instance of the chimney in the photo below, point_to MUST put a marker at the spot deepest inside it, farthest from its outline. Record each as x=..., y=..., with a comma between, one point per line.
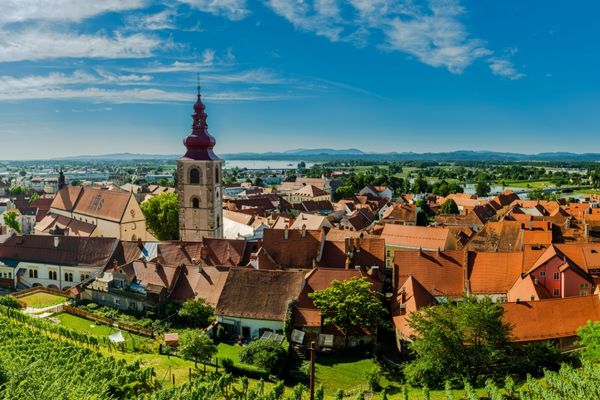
x=56, y=241
x=285, y=232
x=303, y=230
x=586, y=230
x=567, y=223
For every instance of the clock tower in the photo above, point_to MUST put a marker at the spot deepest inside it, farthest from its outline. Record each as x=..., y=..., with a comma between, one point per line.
x=199, y=180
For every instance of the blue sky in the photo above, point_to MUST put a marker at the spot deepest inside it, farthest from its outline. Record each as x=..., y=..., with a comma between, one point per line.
x=95, y=77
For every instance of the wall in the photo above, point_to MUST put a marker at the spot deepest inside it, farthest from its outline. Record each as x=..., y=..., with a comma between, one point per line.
x=253, y=324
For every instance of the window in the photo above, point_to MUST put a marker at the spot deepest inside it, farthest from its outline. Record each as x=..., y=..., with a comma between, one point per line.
x=52, y=275
x=556, y=276
x=68, y=277
x=195, y=202
x=83, y=277
x=117, y=301
x=542, y=274
x=194, y=176
x=216, y=174
x=556, y=293
x=33, y=273
x=583, y=286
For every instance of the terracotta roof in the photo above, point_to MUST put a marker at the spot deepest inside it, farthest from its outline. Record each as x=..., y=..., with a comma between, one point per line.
x=551, y=318
x=365, y=252
x=508, y=236
x=527, y=288
x=152, y=276
x=415, y=237
x=401, y=213
x=241, y=218
x=296, y=251
x=360, y=218
x=70, y=250
x=409, y=296
x=491, y=273
x=318, y=182
x=66, y=198
x=265, y=295
x=311, y=191
x=200, y=282
x=105, y=204
x=317, y=205
x=213, y=252
x=319, y=279
x=441, y=273
x=310, y=221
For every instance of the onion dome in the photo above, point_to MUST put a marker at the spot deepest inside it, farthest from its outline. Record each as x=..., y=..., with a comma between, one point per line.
x=199, y=143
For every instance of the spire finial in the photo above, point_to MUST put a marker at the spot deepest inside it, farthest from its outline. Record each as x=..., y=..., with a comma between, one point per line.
x=198, y=79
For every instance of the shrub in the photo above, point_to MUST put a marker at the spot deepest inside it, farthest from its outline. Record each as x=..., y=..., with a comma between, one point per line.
x=197, y=313
x=228, y=364
x=92, y=306
x=10, y=302
x=264, y=354
x=373, y=379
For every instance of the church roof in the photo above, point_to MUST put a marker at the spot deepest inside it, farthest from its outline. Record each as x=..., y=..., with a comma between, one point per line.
x=199, y=143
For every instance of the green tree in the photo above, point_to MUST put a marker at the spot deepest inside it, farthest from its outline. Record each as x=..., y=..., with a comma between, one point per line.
x=350, y=304
x=456, y=341
x=197, y=313
x=258, y=182
x=162, y=215
x=482, y=188
x=422, y=219
x=344, y=192
x=536, y=194
x=10, y=302
x=449, y=207
x=34, y=197
x=18, y=190
x=196, y=345
x=10, y=220
x=589, y=338
x=265, y=354
x=420, y=185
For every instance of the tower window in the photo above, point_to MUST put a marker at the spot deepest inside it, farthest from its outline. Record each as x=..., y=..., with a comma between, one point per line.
x=216, y=174
x=194, y=176
x=195, y=202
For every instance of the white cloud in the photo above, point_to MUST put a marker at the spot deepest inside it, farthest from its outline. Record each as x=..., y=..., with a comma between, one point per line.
x=431, y=31
x=208, y=56
x=36, y=44
x=322, y=18
x=177, y=66
x=232, y=9
x=61, y=10
x=82, y=86
x=154, y=22
x=505, y=68
x=133, y=79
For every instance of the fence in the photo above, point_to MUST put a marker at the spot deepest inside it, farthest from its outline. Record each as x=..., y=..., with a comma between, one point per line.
x=40, y=289
x=108, y=321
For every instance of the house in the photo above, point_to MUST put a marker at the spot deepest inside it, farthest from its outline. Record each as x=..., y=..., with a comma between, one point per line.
x=406, y=237
x=208, y=252
x=382, y=192
x=400, y=213
x=441, y=273
x=252, y=301
x=409, y=296
x=308, y=318
x=308, y=192
x=354, y=252
x=198, y=282
x=311, y=222
x=237, y=225
x=57, y=262
x=358, y=220
x=289, y=249
x=474, y=219
x=556, y=320
x=138, y=286
x=115, y=214
x=508, y=236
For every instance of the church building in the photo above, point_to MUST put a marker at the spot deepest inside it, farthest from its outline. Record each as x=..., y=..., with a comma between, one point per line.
x=199, y=178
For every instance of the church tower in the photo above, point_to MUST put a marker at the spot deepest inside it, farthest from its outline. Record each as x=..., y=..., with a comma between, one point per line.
x=199, y=180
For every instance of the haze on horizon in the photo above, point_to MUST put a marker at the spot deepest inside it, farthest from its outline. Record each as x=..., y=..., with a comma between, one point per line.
x=86, y=77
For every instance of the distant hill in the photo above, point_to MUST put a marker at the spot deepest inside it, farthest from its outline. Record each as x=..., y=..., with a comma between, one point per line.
x=355, y=154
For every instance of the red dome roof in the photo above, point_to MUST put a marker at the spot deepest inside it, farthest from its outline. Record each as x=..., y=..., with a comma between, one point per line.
x=200, y=143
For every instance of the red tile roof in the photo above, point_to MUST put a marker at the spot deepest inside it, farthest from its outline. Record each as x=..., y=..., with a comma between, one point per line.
x=415, y=237
x=551, y=318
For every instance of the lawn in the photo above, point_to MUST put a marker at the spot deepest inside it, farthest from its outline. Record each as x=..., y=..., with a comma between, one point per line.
x=525, y=184
x=92, y=328
x=42, y=300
